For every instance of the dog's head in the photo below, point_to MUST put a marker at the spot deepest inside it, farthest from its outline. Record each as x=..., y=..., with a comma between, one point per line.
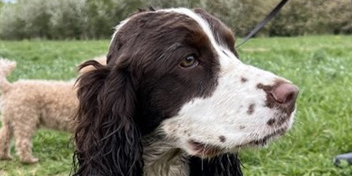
x=175, y=71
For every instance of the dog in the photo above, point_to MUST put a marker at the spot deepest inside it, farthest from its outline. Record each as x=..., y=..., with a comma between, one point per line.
x=28, y=104
x=174, y=99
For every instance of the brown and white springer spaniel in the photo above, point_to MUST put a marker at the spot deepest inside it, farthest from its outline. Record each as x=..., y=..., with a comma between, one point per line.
x=175, y=100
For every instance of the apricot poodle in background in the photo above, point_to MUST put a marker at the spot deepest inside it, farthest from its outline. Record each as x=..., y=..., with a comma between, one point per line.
x=27, y=105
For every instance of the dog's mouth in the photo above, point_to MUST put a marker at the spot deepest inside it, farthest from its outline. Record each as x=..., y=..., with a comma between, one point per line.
x=265, y=140
x=204, y=150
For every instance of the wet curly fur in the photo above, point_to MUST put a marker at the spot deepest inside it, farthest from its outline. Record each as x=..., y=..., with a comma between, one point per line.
x=26, y=105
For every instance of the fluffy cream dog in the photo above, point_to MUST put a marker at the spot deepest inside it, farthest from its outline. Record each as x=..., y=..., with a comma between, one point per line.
x=26, y=105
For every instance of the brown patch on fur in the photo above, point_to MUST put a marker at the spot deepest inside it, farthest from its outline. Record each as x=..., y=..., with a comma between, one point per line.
x=270, y=100
x=243, y=80
x=250, y=109
x=223, y=34
x=242, y=127
x=271, y=122
x=222, y=139
x=282, y=120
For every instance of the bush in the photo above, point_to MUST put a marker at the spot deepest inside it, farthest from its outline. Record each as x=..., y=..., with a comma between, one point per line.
x=303, y=17
x=43, y=19
x=95, y=19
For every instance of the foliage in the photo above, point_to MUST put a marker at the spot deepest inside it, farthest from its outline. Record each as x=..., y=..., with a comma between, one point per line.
x=320, y=65
x=314, y=17
x=95, y=19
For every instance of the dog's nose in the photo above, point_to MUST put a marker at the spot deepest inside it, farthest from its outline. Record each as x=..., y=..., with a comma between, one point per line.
x=285, y=93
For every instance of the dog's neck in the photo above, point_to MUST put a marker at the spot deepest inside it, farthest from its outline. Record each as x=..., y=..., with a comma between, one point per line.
x=161, y=158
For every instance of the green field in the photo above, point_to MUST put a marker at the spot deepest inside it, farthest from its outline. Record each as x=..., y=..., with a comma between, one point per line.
x=320, y=65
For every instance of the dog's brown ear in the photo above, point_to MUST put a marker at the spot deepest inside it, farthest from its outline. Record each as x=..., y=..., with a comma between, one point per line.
x=107, y=140
x=85, y=69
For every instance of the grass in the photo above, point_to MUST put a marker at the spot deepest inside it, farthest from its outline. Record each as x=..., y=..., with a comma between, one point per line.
x=320, y=65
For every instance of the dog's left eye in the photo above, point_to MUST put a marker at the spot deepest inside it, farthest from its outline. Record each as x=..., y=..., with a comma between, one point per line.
x=189, y=61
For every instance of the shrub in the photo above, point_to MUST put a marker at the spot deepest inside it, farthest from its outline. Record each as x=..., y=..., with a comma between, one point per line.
x=95, y=19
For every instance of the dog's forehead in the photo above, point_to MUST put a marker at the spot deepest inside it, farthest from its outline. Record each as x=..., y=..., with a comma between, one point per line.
x=212, y=26
x=162, y=28
x=223, y=34
x=220, y=36
x=175, y=17
x=157, y=21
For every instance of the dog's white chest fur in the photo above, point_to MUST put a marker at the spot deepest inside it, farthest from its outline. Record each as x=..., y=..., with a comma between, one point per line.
x=161, y=159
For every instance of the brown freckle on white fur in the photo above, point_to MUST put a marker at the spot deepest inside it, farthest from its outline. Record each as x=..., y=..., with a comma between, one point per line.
x=260, y=86
x=250, y=109
x=222, y=139
x=242, y=127
x=271, y=122
x=243, y=80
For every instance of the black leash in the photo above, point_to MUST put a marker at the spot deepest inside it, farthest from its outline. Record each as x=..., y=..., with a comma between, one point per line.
x=268, y=18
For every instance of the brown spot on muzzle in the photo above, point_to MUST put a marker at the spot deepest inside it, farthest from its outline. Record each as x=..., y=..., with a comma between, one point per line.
x=243, y=80
x=250, y=109
x=271, y=122
x=272, y=102
x=222, y=139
